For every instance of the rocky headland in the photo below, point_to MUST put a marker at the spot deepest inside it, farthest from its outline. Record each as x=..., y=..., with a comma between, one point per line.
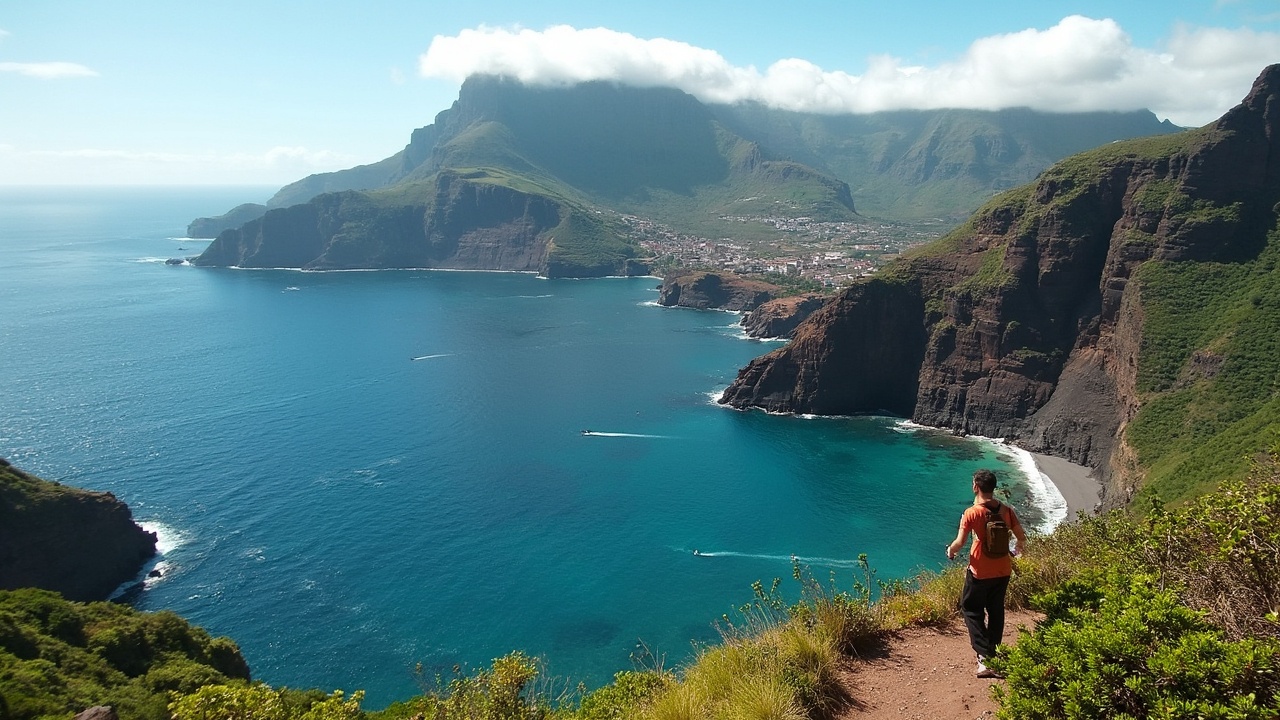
x=78, y=543
x=1029, y=322
x=457, y=221
x=770, y=311
x=703, y=290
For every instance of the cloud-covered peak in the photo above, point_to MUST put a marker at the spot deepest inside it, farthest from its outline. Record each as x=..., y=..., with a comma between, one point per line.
x=1080, y=64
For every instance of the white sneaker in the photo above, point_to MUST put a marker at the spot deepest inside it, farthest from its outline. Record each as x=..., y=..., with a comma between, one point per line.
x=986, y=672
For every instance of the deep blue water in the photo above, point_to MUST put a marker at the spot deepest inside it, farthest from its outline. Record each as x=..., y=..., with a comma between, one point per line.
x=345, y=512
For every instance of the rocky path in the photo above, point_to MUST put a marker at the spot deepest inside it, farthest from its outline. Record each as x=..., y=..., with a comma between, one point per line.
x=926, y=673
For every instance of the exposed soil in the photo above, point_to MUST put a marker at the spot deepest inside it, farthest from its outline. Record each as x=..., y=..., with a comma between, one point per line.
x=927, y=673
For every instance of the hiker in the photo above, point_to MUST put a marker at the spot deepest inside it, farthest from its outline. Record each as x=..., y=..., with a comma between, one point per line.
x=990, y=565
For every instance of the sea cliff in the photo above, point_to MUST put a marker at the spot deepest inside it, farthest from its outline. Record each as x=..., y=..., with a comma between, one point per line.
x=1030, y=321
x=81, y=544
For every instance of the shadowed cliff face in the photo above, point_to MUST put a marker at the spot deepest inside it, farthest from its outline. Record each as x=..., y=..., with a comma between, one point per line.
x=1028, y=322
x=81, y=544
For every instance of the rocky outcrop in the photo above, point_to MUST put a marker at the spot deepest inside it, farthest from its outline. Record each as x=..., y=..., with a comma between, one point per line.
x=1027, y=322
x=780, y=317
x=457, y=221
x=719, y=291
x=79, y=543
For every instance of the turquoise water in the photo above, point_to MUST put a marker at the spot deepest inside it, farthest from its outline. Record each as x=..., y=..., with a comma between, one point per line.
x=357, y=472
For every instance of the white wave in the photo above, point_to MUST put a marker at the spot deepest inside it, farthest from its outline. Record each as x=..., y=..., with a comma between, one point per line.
x=789, y=559
x=650, y=303
x=533, y=297
x=158, y=567
x=167, y=538
x=1040, y=489
x=291, y=288
x=431, y=357
x=906, y=427
x=715, y=395
x=151, y=260
x=593, y=433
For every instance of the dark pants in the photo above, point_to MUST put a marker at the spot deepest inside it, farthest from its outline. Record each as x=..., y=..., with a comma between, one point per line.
x=983, y=605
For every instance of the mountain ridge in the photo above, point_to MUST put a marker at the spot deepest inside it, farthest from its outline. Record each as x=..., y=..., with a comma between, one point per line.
x=661, y=154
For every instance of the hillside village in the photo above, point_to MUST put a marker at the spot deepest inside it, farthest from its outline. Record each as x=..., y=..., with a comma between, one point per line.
x=832, y=254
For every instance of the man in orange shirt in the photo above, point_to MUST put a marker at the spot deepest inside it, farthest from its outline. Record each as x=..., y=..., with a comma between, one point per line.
x=987, y=577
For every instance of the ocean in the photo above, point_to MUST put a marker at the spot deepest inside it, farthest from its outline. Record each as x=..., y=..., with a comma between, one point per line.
x=356, y=474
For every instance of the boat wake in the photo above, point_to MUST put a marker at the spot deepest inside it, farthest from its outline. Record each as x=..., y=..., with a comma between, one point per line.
x=593, y=433
x=429, y=357
x=789, y=559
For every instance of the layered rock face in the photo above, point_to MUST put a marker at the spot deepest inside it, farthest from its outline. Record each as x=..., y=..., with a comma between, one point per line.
x=709, y=290
x=78, y=543
x=1027, y=322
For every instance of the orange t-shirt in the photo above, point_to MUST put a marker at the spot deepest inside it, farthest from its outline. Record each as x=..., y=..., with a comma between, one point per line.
x=974, y=521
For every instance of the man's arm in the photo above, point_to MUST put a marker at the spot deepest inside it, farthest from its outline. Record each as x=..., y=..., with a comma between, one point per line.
x=958, y=543
x=1019, y=534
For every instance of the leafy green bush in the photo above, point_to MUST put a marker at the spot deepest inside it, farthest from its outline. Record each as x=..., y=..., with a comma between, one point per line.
x=1121, y=647
x=504, y=691
x=262, y=702
x=623, y=697
x=59, y=657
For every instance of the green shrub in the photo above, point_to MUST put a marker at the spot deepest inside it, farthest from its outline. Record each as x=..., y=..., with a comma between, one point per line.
x=59, y=657
x=623, y=697
x=1121, y=647
x=262, y=702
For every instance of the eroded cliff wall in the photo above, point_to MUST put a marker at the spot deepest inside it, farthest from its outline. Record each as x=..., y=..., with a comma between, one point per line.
x=1028, y=322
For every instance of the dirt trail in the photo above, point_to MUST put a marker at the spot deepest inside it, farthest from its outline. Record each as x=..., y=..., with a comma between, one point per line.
x=926, y=673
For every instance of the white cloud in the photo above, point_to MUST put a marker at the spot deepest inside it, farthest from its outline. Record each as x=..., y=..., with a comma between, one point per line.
x=116, y=166
x=48, y=70
x=1077, y=65
x=3, y=33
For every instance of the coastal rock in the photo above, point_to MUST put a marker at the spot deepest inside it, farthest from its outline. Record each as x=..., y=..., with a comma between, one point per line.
x=715, y=291
x=778, y=318
x=1027, y=322
x=79, y=543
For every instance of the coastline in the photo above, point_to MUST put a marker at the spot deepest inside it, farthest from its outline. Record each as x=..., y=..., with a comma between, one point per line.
x=1076, y=483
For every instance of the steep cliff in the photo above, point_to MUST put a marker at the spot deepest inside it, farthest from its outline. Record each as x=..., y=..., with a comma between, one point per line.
x=476, y=220
x=81, y=544
x=1092, y=314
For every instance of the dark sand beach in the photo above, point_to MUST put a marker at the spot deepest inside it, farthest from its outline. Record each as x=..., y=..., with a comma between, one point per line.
x=1077, y=483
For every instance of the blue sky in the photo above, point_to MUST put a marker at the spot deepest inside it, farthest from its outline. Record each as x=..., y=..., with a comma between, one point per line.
x=143, y=92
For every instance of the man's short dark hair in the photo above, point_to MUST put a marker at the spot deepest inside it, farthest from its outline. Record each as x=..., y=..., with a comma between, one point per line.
x=985, y=480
